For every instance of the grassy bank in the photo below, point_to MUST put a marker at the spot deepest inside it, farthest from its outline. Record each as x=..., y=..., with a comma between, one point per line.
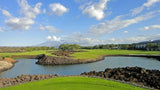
x=94, y=53
x=27, y=53
x=73, y=83
x=88, y=54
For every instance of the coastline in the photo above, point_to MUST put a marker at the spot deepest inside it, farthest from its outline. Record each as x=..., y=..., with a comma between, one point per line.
x=6, y=64
x=135, y=76
x=6, y=82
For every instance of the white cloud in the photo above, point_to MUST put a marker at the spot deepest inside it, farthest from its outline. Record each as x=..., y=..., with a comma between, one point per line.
x=137, y=10
x=19, y=23
x=125, y=32
x=83, y=40
x=52, y=29
x=25, y=22
x=148, y=4
x=58, y=9
x=134, y=39
x=27, y=10
x=49, y=37
x=6, y=13
x=118, y=23
x=49, y=28
x=152, y=27
x=96, y=9
x=76, y=38
x=54, y=38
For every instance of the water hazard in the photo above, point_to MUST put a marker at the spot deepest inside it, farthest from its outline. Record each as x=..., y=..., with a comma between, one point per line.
x=28, y=66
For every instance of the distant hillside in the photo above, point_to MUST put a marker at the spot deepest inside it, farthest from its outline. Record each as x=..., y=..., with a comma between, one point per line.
x=58, y=43
x=54, y=43
x=50, y=44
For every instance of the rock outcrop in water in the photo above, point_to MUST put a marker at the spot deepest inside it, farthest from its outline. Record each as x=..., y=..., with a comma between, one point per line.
x=4, y=82
x=137, y=75
x=50, y=60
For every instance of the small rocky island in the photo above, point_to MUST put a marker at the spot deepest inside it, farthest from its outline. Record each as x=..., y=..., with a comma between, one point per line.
x=50, y=60
x=62, y=60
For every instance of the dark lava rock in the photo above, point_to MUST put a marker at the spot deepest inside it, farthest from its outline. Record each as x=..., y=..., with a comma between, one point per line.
x=50, y=60
x=41, y=56
x=138, y=75
x=4, y=82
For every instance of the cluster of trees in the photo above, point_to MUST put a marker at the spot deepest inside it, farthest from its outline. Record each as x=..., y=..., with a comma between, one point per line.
x=111, y=46
x=73, y=47
x=69, y=47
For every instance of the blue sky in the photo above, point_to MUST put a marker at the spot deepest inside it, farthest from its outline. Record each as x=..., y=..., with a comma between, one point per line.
x=85, y=22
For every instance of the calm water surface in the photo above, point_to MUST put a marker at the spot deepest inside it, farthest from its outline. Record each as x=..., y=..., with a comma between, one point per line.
x=28, y=66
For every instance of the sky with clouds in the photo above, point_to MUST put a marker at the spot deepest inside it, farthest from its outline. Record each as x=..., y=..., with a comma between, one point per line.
x=84, y=22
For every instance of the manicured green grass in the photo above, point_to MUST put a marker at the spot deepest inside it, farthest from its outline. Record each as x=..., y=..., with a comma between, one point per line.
x=27, y=53
x=73, y=83
x=94, y=53
x=88, y=54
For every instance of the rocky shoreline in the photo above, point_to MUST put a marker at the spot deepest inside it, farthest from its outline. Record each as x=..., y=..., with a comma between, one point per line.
x=5, y=82
x=140, y=76
x=136, y=76
x=6, y=64
x=50, y=60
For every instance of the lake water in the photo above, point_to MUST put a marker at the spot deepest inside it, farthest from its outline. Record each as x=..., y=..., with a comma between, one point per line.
x=28, y=66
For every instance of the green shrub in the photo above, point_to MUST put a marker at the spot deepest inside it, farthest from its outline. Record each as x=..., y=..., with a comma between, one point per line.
x=3, y=58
